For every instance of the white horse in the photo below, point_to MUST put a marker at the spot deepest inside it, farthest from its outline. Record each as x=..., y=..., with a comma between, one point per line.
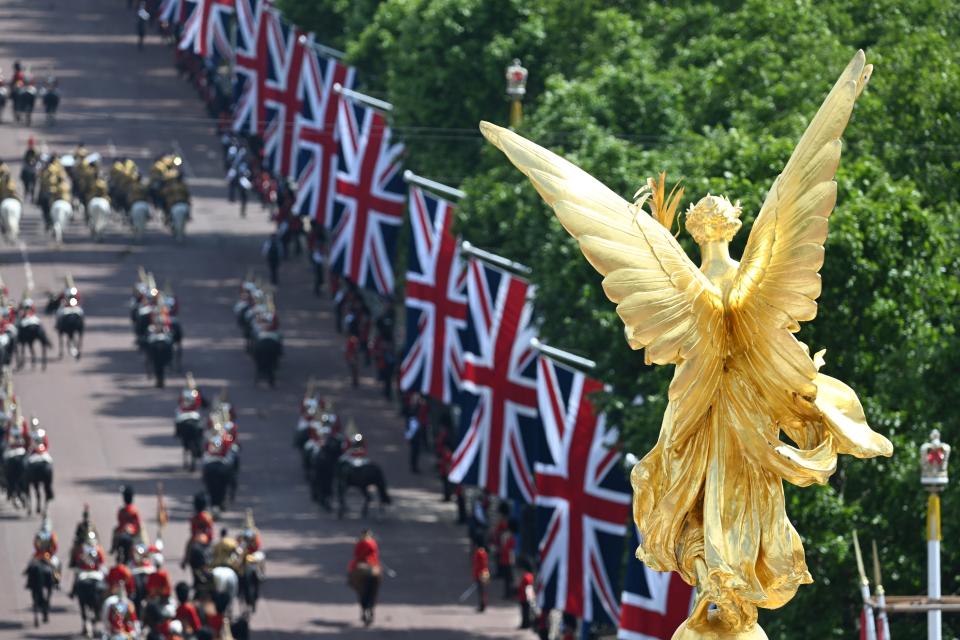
x=179, y=213
x=10, y=211
x=225, y=581
x=139, y=214
x=60, y=213
x=98, y=212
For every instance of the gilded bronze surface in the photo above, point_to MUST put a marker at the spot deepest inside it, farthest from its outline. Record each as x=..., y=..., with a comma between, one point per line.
x=708, y=499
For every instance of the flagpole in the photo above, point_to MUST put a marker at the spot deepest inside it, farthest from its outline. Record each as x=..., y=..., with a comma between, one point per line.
x=437, y=187
x=370, y=101
x=884, y=622
x=323, y=49
x=494, y=259
x=560, y=354
x=868, y=620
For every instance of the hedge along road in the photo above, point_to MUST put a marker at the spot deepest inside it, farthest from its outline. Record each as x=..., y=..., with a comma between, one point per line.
x=108, y=425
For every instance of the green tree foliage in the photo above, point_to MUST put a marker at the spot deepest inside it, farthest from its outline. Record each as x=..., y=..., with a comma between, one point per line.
x=718, y=92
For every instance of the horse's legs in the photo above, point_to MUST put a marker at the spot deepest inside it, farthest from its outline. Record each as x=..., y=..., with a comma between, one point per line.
x=79, y=343
x=60, y=340
x=43, y=356
x=366, y=501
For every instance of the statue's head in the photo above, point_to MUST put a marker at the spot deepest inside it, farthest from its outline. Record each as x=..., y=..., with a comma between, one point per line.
x=713, y=219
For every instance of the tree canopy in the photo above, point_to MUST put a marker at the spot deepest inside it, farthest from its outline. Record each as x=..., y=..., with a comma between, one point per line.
x=718, y=92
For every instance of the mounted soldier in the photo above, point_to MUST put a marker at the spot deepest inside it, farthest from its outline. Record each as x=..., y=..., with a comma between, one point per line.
x=45, y=547
x=87, y=559
x=129, y=530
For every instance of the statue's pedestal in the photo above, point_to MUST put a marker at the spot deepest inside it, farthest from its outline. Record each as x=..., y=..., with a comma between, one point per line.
x=706, y=633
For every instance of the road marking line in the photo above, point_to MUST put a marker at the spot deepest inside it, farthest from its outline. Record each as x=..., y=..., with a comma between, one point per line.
x=27, y=269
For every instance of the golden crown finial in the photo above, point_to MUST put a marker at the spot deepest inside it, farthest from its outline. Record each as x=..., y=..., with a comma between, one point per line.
x=713, y=219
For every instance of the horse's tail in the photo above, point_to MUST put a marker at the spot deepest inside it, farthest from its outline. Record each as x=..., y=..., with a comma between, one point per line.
x=48, y=482
x=44, y=338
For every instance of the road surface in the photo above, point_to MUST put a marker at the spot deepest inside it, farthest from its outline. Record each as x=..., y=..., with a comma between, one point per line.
x=109, y=426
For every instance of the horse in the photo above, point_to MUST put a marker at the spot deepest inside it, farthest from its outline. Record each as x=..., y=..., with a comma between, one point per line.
x=40, y=583
x=139, y=214
x=365, y=580
x=8, y=345
x=61, y=211
x=23, y=100
x=11, y=210
x=219, y=480
x=190, y=432
x=98, y=212
x=158, y=347
x=51, y=100
x=70, y=325
x=29, y=330
x=39, y=475
x=266, y=351
x=91, y=589
x=323, y=468
x=361, y=475
x=28, y=175
x=14, y=472
x=4, y=96
x=179, y=213
x=250, y=580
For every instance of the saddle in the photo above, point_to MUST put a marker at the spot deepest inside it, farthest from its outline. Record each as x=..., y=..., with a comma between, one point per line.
x=34, y=458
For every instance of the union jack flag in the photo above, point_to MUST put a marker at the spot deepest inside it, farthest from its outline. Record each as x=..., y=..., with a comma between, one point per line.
x=654, y=603
x=315, y=137
x=206, y=29
x=284, y=50
x=499, y=422
x=171, y=12
x=248, y=64
x=583, y=499
x=368, y=201
x=436, y=300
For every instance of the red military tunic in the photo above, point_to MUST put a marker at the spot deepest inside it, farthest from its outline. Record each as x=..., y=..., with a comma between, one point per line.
x=202, y=523
x=125, y=621
x=188, y=617
x=128, y=519
x=193, y=403
x=45, y=549
x=365, y=551
x=481, y=564
x=158, y=585
x=121, y=573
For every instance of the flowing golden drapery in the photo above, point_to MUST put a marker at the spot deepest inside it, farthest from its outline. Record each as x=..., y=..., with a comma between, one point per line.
x=708, y=499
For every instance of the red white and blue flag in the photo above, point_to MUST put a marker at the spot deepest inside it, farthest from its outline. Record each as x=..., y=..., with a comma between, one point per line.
x=436, y=300
x=171, y=12
x=499, y=422
x=206, y=29
x=315, y=135
x=249, y=65
x=583, y=498
x=279, y=101
x=368, y=201
x=654, y=603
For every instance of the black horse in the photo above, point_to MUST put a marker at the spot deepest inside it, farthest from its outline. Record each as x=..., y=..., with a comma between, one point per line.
x=250, y=585
x=322, y=469
x=91, y=590
x=39, y=475
x=190, y=433
x=361, y=475
x=29, y=331
x=70, y=326
x=14, y=471
x=220, y=481
x=266, y=350
x=24, y=99
x=28, y=175
x=40, y=583
x=158, y=348
x=51, y=100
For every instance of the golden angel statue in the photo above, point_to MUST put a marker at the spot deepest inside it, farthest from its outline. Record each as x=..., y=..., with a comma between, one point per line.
x=708, y=499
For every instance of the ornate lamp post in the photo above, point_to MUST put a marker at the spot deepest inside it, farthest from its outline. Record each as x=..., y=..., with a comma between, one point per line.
x=516, y=88
x=934, y=456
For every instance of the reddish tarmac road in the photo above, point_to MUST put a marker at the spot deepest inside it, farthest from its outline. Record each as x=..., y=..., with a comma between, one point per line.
x=108, y=425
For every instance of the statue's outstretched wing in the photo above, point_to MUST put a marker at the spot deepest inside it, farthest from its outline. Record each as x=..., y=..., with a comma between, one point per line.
x=668, y=306
x=778, y=280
